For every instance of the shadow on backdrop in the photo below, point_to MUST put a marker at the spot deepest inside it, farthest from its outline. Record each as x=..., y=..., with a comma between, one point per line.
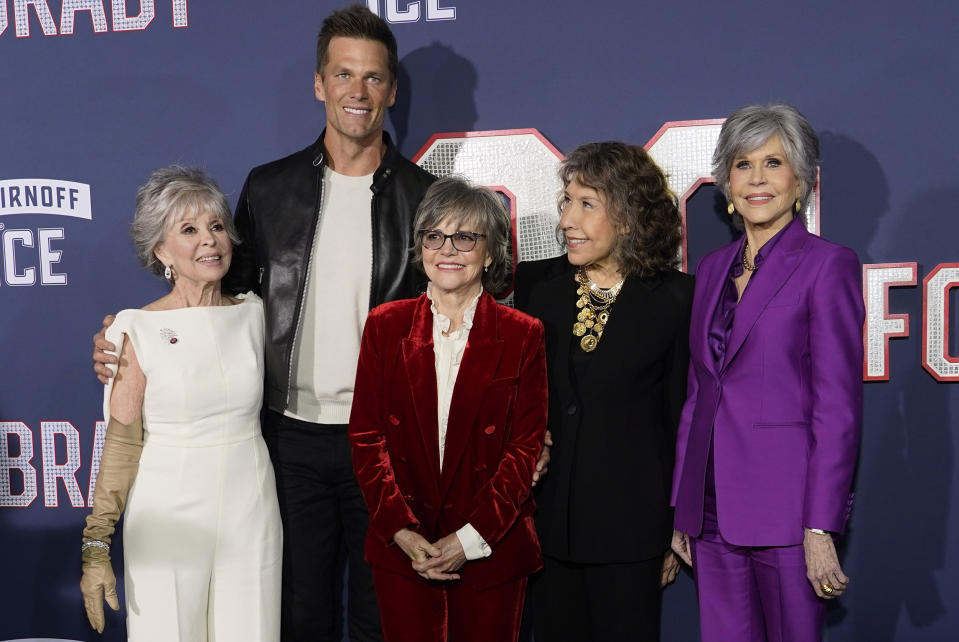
x=436, y=93
x=708, y=224
x=897, y=535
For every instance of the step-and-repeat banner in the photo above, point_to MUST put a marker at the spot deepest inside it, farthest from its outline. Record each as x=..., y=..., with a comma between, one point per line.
x=95, y=94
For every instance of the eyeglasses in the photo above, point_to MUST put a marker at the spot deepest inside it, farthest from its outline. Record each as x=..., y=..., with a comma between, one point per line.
x=462, y=241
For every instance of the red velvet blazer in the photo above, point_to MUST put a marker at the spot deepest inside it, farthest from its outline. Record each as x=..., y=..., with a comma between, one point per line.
x=496, y=425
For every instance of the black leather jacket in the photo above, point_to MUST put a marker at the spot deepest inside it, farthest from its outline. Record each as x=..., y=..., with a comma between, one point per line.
x=276, y=217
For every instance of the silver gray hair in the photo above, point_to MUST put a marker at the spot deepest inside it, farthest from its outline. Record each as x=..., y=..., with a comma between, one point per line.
x=454, y=199
x=751, y=126
x=169, y=194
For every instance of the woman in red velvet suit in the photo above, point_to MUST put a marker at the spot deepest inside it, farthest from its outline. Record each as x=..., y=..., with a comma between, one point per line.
x=448, y=418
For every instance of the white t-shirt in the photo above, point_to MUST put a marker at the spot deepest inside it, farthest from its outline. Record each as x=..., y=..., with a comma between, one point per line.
x=337, y=302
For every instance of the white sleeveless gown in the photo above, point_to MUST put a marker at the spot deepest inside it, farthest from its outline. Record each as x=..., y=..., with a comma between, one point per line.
x=202, y=538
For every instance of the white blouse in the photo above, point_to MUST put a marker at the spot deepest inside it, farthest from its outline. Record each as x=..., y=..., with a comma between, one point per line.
x=449, y=349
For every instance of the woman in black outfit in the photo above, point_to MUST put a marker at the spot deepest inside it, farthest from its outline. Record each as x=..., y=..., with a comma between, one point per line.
x=616, y=315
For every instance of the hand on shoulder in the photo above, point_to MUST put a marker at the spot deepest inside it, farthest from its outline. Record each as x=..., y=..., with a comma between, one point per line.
x=102, y=350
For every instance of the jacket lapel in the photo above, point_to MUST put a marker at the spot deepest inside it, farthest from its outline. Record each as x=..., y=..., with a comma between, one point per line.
x=562, y=291
x=764, y=285
x=483, y=351
x=420, y=362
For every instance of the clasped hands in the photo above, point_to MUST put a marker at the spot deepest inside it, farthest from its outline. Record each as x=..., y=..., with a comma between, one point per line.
x=437, y=561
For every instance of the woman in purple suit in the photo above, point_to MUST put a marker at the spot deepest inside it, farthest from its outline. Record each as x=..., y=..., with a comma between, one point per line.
x=769, y=434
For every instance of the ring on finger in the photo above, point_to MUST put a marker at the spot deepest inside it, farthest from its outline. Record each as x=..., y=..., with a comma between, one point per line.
x=827, y=588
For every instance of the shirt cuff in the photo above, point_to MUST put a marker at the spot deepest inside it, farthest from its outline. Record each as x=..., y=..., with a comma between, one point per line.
x=473, y=543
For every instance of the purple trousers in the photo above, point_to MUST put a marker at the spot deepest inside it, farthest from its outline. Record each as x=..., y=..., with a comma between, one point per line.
x=752, y=594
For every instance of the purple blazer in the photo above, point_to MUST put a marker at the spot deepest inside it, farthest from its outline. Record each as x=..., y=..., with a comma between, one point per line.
x=787, y=403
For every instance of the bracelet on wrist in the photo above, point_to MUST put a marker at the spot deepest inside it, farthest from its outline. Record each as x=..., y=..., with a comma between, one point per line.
x=95, y=543
x=817, y=531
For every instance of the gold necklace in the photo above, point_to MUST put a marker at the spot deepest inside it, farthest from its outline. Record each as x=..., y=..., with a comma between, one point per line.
x=594, y=303
x=746, y=264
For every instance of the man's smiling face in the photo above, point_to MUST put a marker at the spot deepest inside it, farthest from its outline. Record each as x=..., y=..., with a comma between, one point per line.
x=357, y=88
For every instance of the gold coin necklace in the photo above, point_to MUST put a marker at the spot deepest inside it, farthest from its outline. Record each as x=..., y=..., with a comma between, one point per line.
x=593, y=304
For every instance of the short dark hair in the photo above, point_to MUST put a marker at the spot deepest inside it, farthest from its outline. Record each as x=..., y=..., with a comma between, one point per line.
x=456, y=199
x=639, y=203
x=356, y=21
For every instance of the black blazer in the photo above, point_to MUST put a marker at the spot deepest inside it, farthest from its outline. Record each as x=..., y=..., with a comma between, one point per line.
x=606, y=496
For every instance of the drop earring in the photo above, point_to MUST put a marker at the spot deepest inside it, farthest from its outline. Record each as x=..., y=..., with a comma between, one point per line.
x=798, y=206
x=167, y=273
x=731, y=208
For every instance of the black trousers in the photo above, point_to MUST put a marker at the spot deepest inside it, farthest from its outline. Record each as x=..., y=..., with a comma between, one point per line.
x=597, y=602
x=322, y=511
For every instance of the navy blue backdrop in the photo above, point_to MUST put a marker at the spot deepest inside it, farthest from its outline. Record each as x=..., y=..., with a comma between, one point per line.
x=100, y=98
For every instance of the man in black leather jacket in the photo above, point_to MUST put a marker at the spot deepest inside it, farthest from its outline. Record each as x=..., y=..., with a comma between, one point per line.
x=290, y=245
x=277, y=216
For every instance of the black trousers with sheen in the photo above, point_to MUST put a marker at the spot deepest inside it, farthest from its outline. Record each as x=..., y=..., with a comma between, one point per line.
x=322, y=510
x=597, y=602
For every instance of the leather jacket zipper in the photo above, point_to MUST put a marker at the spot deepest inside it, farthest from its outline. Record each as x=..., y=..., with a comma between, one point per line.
x=301, y=296
x=372, y=250
x=374, y=236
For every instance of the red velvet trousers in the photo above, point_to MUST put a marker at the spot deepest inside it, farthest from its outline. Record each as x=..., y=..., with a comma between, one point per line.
x=418, y=610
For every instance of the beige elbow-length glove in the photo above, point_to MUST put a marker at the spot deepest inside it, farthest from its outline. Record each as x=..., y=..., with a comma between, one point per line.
x=118, y=469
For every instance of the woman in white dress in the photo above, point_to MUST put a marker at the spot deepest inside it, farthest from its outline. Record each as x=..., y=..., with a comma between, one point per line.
x=183, y=451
